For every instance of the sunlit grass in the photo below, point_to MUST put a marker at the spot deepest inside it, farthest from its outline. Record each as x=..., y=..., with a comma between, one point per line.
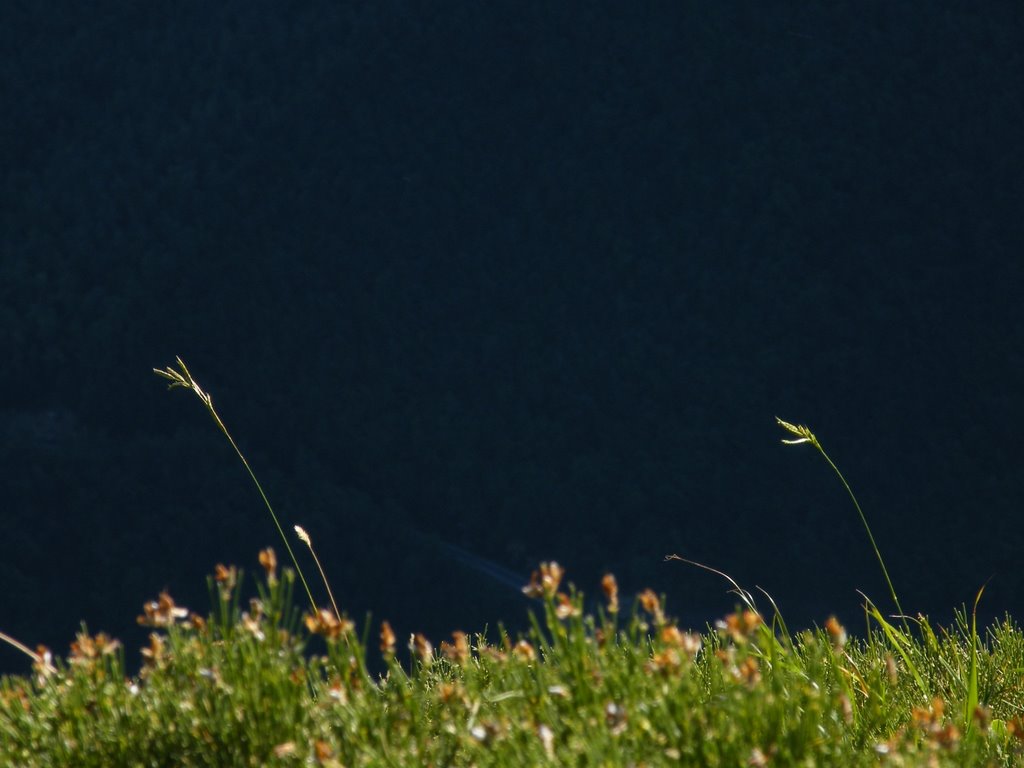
x=257, y=682
x=254, y=683
x=804, y=435
x=181, y=377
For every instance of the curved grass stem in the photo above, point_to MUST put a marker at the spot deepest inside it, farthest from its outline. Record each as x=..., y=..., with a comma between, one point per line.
x=804, y=435
x=182, y=378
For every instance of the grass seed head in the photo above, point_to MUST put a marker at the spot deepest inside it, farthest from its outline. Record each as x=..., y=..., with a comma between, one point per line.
x=269, y=562
x=545, y=582
x=86, y=650
x=565, y=607
x=740, y=626
x=457, y=650
x=387, y=639
x=326, y=624
x=803, y=434
x=153, y=654
x=161, y=612
x=43, y=664
x=422, y=647
x=836, y=632
x=226, y=576
x=611, y=592
x=524, y=650
x=651, y=604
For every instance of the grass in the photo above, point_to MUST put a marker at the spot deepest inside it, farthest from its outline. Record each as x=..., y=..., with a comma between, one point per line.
x=256, y=681
x=181, y=377
x=804, y=435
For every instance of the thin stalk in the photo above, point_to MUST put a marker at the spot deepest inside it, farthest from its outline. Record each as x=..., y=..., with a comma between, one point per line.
x=806, y=436
x=184, y=379
x=304, y=537
x=21, y=647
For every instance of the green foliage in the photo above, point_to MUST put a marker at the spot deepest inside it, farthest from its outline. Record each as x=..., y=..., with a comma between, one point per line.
x=251, y=684
x=243, y=687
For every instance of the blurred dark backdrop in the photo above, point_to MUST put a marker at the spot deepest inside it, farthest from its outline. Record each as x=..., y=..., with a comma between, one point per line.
x=530, y=280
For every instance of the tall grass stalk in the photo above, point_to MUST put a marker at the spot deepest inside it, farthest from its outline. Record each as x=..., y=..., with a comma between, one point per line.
x=804, y=435
x=304, y=538
x=182, y=378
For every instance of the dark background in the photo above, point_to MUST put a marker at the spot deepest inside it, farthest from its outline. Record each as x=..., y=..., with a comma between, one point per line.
x=529, y=280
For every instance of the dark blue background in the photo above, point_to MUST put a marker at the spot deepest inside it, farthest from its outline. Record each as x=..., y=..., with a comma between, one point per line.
x=529, y=280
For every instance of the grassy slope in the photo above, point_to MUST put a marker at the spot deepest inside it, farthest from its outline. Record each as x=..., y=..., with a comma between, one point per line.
x=240, y=687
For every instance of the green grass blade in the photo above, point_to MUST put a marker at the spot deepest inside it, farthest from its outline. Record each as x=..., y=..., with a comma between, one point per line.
x=971, y=700
x=900, y=642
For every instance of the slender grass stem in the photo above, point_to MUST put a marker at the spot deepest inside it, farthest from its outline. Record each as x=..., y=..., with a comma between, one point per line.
x=20, y=646
x=304, y=537
x=184, y=379
x=804, y=435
